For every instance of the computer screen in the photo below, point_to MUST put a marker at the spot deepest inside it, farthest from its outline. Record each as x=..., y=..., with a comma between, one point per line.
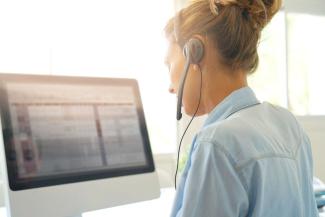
x=60, y=130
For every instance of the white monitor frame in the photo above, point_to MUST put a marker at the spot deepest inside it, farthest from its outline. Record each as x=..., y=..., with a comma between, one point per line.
x=74, y=198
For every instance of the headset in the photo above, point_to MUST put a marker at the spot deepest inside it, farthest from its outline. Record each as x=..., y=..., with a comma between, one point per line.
x=193, y=51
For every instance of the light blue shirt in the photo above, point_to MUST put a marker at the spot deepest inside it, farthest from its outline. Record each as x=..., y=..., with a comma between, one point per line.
x=250, y=159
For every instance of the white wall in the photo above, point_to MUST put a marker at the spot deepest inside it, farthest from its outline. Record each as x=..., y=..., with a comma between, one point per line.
x=303, y=6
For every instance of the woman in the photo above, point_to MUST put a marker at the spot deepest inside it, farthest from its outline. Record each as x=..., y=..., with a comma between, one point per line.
x=249, y=158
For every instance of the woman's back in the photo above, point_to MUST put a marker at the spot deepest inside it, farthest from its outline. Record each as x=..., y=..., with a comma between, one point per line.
x=273, y=156
x=249, y=159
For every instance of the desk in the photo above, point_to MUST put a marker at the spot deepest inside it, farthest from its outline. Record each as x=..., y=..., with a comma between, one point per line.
x=160, y=207
x=322, y=213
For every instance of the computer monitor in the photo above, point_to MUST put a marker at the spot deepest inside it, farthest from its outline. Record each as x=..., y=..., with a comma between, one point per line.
x=73, y=144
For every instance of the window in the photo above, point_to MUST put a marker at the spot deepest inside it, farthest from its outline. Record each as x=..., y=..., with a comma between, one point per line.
x=306, y=70
x=269, y=80
x=291, y=71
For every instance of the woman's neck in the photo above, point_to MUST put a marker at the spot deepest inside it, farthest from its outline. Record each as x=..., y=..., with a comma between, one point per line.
x=218, y=85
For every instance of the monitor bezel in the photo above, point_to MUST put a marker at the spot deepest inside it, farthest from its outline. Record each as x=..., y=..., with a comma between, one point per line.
x=16, y=183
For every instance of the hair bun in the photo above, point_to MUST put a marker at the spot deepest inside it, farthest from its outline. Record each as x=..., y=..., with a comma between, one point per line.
x=262, y=11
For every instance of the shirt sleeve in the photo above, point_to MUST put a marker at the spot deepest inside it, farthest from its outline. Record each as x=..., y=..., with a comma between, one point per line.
x=213, y=187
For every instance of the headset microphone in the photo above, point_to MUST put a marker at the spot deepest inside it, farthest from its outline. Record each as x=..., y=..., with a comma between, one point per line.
x=181, y=89
x=193, y=52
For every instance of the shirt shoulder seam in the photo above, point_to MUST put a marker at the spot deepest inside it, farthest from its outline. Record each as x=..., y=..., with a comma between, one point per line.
x=239, y=166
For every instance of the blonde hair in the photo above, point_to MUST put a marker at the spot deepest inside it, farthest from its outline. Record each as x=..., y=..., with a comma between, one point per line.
x=233, y=25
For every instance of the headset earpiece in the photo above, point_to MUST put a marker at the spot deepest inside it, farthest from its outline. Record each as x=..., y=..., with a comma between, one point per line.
x=194, y=50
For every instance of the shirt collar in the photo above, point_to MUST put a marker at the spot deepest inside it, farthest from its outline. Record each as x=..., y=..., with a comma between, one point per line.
x=237, y=100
